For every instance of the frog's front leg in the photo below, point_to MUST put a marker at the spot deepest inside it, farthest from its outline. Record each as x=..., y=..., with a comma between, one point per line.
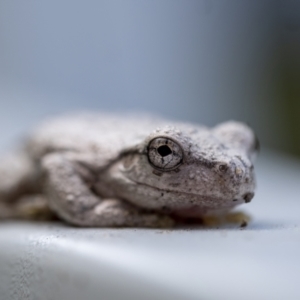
x=69, y=194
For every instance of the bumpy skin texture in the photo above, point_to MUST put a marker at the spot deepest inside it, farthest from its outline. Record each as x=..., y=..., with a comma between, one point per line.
x=112, y=170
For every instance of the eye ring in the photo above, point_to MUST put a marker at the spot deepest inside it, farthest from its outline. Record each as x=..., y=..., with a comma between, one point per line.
x=164, y=154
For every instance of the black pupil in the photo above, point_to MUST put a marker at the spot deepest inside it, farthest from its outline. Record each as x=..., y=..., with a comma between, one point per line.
x=164, y=150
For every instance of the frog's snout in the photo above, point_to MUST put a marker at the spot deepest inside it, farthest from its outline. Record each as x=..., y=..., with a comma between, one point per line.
x=242, y=178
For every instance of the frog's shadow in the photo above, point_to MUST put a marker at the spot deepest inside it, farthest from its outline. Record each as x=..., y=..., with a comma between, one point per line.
x=251, y=226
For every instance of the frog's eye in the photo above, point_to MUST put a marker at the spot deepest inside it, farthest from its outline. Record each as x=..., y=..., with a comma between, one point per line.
x=164, y=154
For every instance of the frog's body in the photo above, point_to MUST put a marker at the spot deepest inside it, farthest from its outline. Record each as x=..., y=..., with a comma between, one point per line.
x=107, y=170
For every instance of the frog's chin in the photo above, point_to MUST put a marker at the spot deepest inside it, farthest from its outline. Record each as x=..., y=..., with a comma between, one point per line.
x=197, y=212
x=202, y=208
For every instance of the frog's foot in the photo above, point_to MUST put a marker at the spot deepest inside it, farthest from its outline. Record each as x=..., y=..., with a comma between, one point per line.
x=33, y=207
x=236, y=218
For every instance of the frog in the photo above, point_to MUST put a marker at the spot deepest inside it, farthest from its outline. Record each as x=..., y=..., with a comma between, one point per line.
x=117, y=170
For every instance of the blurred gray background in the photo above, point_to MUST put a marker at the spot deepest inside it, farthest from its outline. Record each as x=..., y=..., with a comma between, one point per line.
x=204, y=61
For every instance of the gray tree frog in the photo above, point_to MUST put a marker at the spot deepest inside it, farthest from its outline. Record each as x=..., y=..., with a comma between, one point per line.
x=110, y=170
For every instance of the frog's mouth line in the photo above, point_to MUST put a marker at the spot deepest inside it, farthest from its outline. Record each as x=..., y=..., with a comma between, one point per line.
x=217, y=200
x=197, y=207
x=164, y=190
x=214, y=203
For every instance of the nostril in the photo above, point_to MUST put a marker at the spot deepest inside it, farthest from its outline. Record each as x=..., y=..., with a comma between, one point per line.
x=248, y=197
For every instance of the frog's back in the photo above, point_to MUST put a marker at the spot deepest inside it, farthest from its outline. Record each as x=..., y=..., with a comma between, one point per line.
x=91, y=132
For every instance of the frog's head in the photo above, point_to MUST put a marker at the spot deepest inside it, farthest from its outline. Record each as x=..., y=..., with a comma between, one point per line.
x=196, y=171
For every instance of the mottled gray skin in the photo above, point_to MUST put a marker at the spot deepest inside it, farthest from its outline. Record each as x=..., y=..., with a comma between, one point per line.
x=108, y=170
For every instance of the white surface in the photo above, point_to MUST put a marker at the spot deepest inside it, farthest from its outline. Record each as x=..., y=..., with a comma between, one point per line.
x=52, y=261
